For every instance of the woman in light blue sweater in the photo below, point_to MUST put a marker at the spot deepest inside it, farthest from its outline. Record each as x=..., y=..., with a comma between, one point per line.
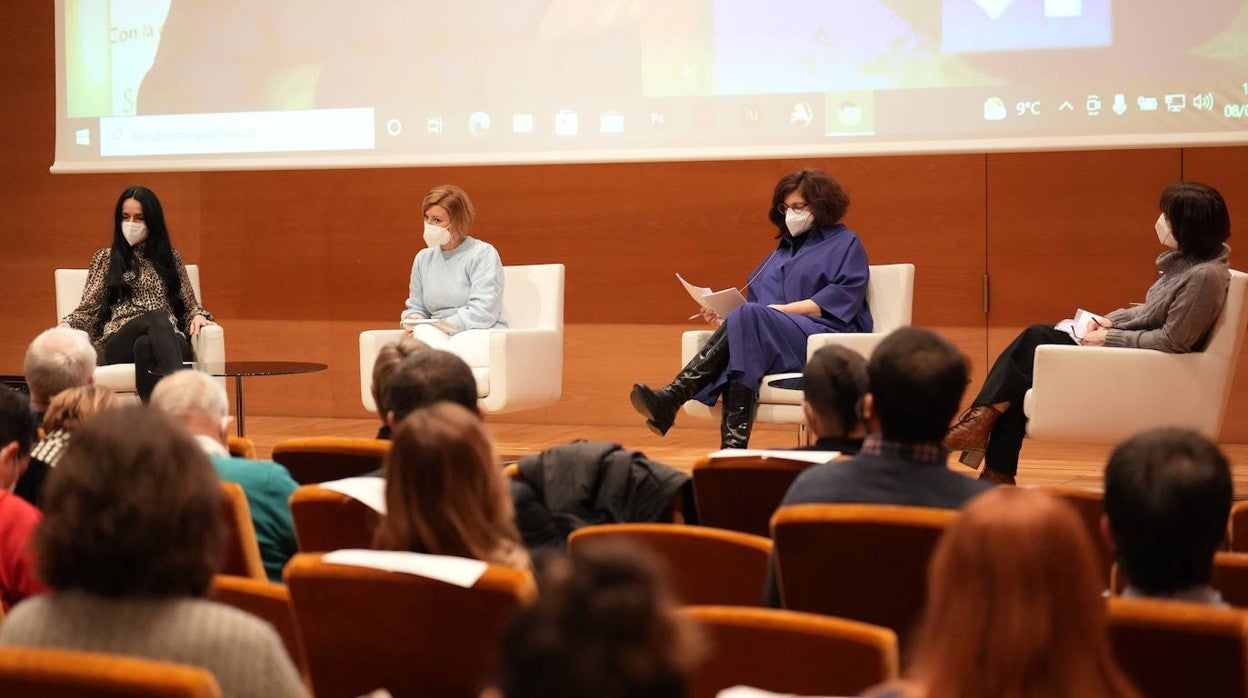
x=457, y=280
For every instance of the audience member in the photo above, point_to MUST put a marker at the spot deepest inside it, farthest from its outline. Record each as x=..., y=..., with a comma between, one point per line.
x=67, y=411
x=199, y=403
x=1167, y=499
x=18, y=517
x=445, y=493
x=605, y=624
x=916, y=380
x=130, y=540
x=425, y=378
x=833, y=386
x=388, y=359
x=57, y=359
x=1014, y=607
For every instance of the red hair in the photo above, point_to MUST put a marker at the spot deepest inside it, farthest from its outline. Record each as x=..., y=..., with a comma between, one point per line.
x=1014, y=605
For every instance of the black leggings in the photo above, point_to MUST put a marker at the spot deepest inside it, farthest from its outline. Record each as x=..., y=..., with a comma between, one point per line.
x=152, y=345
x=1008, y=381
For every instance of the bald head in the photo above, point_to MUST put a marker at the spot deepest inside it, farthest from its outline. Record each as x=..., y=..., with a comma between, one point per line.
x=58, y=359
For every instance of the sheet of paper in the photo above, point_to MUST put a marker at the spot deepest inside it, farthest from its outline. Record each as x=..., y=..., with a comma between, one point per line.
x=751, y=692
x=414, y=321
x=807, y=456
x=1077, y=327
x=369, y=490
x=459, y=571
x=722, y=302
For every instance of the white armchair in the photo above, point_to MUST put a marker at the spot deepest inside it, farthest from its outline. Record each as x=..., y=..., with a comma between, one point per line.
x=209, y=343
x=517, y=368
x=890, y=295
x=1106, y=394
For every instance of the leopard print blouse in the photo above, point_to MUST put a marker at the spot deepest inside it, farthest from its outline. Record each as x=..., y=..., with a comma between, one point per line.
x=147, y=293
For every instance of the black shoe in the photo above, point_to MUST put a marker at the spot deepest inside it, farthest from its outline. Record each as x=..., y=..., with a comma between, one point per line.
x=658, y=407
x=738, y=419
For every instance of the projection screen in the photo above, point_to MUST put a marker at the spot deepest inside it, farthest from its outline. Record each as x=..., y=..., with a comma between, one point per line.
x=221, y=84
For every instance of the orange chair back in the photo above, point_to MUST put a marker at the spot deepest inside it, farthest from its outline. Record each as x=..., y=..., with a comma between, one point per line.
x=51, y=673
x=790, y=652
x=1238, y=527
x=327, y=520
x=242, y=447
x=704, y=565
x=268, y=601
x=741, y=494
x=322, y=458
x=242, y=551
x=1171, y=648
x=867, y=562
x=364, y=629
x=1090, y=505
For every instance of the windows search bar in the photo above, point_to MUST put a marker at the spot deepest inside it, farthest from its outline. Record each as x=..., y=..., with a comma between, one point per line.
x=238, y=132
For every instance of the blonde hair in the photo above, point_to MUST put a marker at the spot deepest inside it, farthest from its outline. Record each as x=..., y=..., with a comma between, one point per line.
x=1014, y=606
x=445, y=492
x=71, y=407
x=456, y=203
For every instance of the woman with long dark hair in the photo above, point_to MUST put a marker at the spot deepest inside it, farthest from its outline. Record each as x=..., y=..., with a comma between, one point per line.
x=138, y=305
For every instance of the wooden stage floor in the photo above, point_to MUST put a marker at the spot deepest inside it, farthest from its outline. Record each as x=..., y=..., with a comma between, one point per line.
x=1042, y=463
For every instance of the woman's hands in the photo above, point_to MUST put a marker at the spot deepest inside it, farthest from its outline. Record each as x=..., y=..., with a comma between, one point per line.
x=1096, y=334
x=198, y=323
x=713, y=318
x=806, y=307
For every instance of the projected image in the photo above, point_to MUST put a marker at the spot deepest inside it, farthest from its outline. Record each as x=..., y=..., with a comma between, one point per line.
x=186, y=84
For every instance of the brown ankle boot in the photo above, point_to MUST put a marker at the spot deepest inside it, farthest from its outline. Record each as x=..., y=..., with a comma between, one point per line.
x=993, y=476
x=970, y=434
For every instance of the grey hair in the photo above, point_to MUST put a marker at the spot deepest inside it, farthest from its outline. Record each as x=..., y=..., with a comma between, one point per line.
x=191, y=393
x=58, y=359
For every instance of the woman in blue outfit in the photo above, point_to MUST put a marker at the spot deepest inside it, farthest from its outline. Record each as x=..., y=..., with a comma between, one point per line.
x=815, y=281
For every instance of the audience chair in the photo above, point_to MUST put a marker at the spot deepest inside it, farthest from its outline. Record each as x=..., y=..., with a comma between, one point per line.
x=52, y=673
x=267, y=601
x=209, y=343
x=242, y=447
x=242, y=551
x=326, y=520
x=1152, y=389
x=1090, y=505
x=1171, y=648
x=704, y=565
x=517, y=368
x=790, y=652
x=1237, y=527
x=316, y=459
x=1230, y=578
x=365, y=629
x=741, y=494
x=867, y=562
x=890, y=295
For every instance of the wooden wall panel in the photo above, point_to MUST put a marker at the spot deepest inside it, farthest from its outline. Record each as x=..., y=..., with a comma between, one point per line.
x=1225, y=169
x=295, y=263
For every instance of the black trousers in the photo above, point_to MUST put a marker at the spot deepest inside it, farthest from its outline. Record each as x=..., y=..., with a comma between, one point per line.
x=1008, y=381
x=152, y=345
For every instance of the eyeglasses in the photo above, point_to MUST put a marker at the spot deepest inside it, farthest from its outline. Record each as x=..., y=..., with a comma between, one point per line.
x=796, y=207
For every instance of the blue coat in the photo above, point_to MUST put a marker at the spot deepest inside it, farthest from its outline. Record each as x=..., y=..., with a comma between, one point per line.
x=828, y=267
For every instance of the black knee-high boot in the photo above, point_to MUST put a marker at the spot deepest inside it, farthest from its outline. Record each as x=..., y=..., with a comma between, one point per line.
x=659, y=406
x=738, y=403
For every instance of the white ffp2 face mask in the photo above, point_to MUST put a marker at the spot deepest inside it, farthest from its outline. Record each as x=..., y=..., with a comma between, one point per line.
x=436, y=235
x=1165, y=235
x=798, y=222
x=134, y=232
